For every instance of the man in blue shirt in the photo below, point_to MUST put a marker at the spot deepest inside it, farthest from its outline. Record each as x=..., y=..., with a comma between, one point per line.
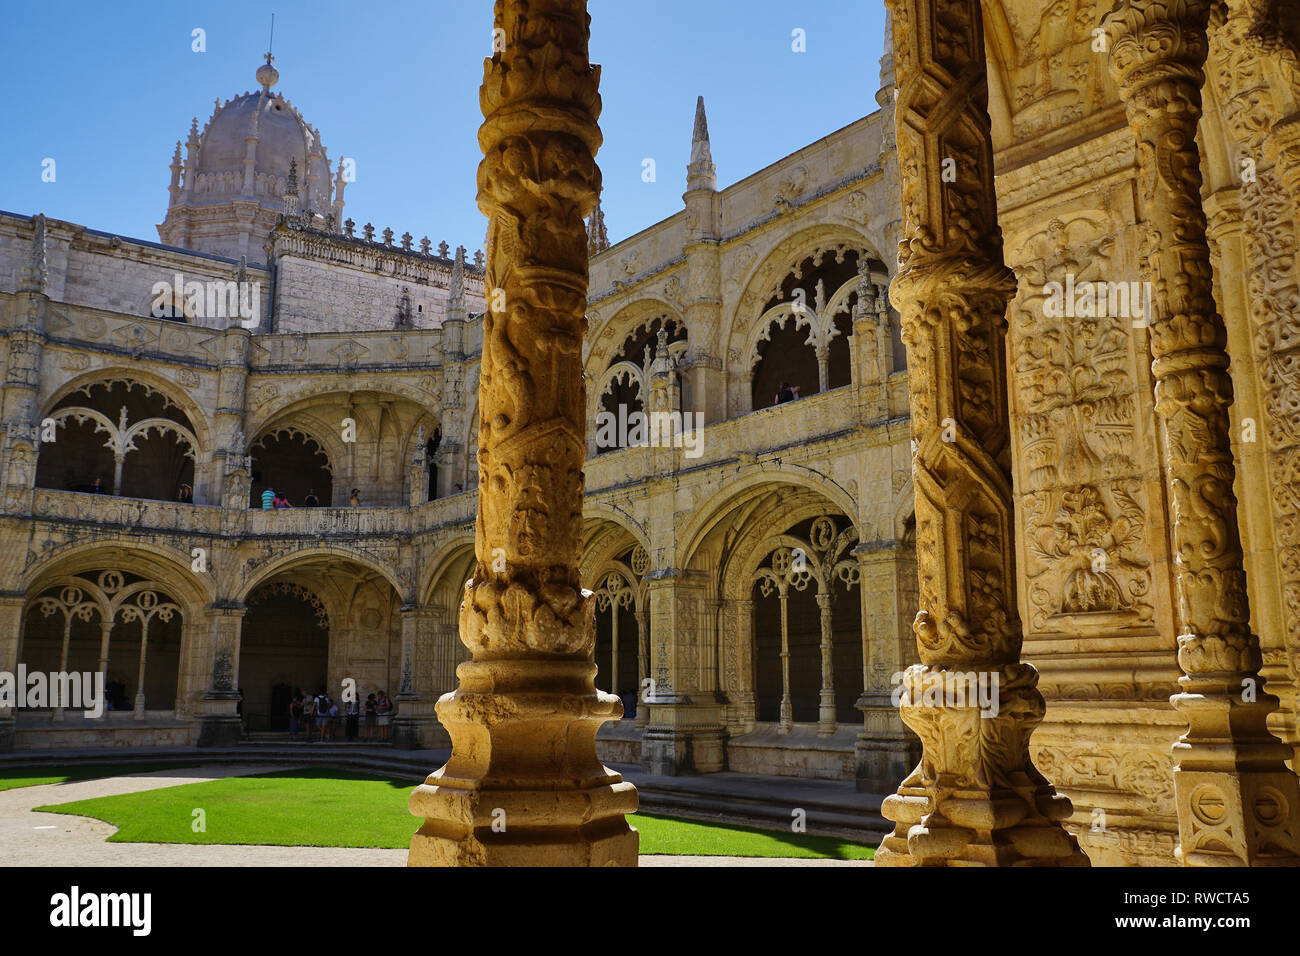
x=268, y=499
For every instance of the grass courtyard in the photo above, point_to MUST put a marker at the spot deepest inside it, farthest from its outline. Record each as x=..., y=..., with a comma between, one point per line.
x=337, y=808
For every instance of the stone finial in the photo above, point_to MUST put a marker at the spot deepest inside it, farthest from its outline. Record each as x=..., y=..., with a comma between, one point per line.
x=267, y=75
x=368, y=232
x=388, y=236
x=701, y=173
x=194, y=130
x=443, y=249
x=597, y=235
x=349, y=227
x=700, y=149
x=425, y=245
x=406, y=241
x=241, y=273
x=478, y=259
x=292, y=188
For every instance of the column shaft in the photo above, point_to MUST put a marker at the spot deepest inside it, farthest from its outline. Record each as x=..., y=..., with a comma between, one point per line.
x=1237, y=803
x=826, y=703
x=976, y=797
x=523, y=785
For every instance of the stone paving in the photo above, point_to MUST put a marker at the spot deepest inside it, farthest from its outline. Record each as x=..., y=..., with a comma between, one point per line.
x=28, y=838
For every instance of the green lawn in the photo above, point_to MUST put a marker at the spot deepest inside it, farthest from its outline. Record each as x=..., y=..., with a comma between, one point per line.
x=11, y=778
x=321, y=807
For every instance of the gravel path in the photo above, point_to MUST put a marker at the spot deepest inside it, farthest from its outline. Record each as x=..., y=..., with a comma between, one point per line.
x=55, y=839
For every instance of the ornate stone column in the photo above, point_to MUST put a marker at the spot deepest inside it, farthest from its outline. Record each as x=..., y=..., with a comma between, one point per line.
x=826, y=702
x=976, y=797
x=219, y=724
x=523, y=786
x=415, y=700
x=642, y=665
x=1237, y=803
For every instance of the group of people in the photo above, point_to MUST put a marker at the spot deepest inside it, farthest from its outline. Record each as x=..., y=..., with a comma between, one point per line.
x=787, y=393
x=322, y=713
x=275, y=499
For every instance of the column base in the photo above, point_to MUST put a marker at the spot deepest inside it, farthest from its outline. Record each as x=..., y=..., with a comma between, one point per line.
x=416, y=727
x=219, y=731
x=886, y=751
x=219, y=721
x=524, y=827
x=523, y=786
x=684, y=738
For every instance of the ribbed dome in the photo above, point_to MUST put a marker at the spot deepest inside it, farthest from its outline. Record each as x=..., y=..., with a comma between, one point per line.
x=281, y=135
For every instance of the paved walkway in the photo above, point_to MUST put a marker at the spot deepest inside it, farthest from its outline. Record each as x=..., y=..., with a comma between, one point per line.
x=54, y=839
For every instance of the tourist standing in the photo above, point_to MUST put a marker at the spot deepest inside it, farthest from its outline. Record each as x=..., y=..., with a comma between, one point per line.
x=311, y=501
x=323, y=703
x=295, y=712
x=268, y=499
x=384, y=711
x=355, y=499
x=308, y=713
x=354, y=717
x=372, y=718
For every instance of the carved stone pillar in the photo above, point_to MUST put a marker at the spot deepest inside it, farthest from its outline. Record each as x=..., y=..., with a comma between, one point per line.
x=642, y=666
x=786, y=712
x=826, y=702
x=415, y=700
x=976, y=797
x=684, y=732
x=1254, y=228
x=1237, y=803
x=219, y=724
x=524, y=785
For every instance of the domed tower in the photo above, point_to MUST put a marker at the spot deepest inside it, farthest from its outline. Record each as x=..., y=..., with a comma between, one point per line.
x=236, y=174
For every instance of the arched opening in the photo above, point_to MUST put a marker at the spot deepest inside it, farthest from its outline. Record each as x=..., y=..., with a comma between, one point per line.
x=295, y=465
x=285, y=647
x=624, y=395
x=125, y=625
x=807, y=627
x=118, y=437
x=807, y=320
x=617, y=640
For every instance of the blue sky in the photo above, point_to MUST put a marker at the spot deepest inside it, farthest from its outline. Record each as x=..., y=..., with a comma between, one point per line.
x=106, y=89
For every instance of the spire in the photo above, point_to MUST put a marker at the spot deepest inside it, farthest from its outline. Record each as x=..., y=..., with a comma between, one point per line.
x=456, y=311
x=700, y=137
x=701, y=173
x=34, y=274
x=291, y=190
x=885, y=94
x=597, y=236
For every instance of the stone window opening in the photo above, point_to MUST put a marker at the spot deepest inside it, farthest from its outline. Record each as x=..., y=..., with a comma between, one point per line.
x=119, y=438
